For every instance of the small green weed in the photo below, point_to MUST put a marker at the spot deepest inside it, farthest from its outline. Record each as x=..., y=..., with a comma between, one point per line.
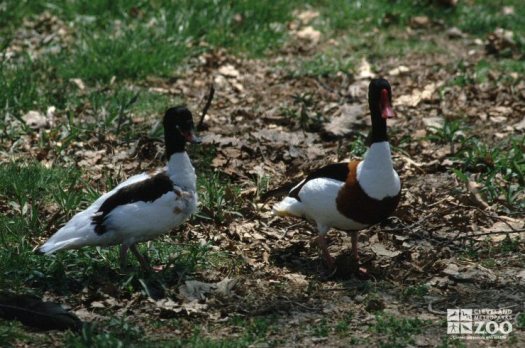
x=10, y=331
x=450, y=133
x=117, y=332
x=343, y=326
x=302, y=112
x=500, y=169
x=414, y=291
x=487, y=251
x=321, y=328
x=520, y=320
x=255, y=331
x=323, y=65
x=219, y=198
x=447, y=342
x=399, y=332
x=358, y=147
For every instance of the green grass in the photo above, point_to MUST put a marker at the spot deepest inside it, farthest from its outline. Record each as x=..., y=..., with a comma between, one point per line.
x=353, y=24
x=219, y=198
x=450, y=133
x=398, y=332
x=520, y=320
x=152, y=38
x=249, y=332
x=493, y=255
x=477, y=17
x=500, y=168
x=302, y=112
x=414, y=291
x=321, y=328
x=10, y=331
x=448, y=341
x=324, y=64
x=156, y=38
x=342, y=328
x=112, y=333
x=32, y=193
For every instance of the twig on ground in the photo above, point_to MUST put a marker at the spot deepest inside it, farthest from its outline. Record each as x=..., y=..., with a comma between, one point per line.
x=489, y=214
x=490, y=233
x=433, y=311
x=437, y=202
x=206, y=106
x=411, y=162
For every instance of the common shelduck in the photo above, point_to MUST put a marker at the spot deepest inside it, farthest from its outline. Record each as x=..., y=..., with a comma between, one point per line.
x=143, y=207
x=351, y=195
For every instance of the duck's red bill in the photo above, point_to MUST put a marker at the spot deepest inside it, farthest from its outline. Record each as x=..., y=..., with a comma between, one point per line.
x=386, y=106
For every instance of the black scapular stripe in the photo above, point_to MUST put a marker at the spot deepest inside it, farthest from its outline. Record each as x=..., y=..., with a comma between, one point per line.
x=336, y=171
x=143, y=191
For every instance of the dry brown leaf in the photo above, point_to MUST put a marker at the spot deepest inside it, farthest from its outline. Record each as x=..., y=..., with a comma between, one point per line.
x=508, y=10
x=455, y=33
x=501, y=226
x=212, y=138
x=470, y=273
x=398, y=70
x=364, y=71
x=229, y=70
x=520, y=125
x=419, y=21
x=309, y=34
x=79, y=83
x=475, y=195
x=194, y=307
x=380, y=250
x=521, y=277
x=351, y=115
x=307, y=16
x=35, y=120
x=418, y=95
x=433, y=122
x=194, y=290
x=500, y=40
x=97, y=304
x=297, y=278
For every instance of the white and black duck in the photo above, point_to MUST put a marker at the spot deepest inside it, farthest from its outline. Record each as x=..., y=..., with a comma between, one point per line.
x=351, y=195
x=143, y=207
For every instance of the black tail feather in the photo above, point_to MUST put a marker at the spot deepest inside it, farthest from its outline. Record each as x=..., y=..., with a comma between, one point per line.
x=277, y=191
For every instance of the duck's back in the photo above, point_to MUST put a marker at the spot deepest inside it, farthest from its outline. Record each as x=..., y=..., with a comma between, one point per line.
x=136, y=210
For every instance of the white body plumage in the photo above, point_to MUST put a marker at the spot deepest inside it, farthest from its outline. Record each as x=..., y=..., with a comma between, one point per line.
x=376, y=176
x=133, y=222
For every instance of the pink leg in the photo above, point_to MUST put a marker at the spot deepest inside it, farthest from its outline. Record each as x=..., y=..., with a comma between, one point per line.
x=360, y=271
x=355, y=254
x=321, y=242
x=143, y=260
x=123, y=257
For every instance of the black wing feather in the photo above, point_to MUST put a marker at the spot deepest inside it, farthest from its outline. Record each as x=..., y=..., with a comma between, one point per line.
x=336, y=171
x=145, y=191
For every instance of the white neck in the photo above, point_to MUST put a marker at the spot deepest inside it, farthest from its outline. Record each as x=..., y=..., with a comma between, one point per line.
x=378, y=157
x=376, y=173
x=181, y=172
